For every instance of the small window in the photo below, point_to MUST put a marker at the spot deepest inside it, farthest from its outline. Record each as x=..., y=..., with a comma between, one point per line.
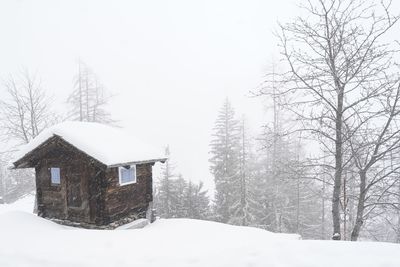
x=127, y=175
x=55, y=175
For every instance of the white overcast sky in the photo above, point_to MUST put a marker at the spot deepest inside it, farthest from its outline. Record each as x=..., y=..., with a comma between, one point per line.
x=170, y=64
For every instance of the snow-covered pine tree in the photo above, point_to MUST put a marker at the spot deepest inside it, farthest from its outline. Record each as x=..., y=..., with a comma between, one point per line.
x=174, y=197
x=225, y=161
x=260, y=190
x=291, y=200
x=178, y=208
x=246, y=207
x=163, y=196
x=189, y=200
x=181, y=199
x=196, y=201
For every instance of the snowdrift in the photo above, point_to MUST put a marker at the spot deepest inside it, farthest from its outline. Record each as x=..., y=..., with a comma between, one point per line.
x=26, y=222
x=27, y=240
x=24, y=204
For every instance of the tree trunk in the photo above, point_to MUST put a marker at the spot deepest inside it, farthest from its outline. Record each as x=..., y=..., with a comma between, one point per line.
x=87, y=96
x=80, y=94
x=360, y=207
x=398, y=216
x=243, y=197
x=323, y=236
x=338, y=168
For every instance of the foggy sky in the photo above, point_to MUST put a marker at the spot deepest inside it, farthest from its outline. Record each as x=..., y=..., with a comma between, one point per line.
x=170, y=64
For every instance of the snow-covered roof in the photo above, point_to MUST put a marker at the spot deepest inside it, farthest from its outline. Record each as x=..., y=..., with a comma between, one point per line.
x=109, y=145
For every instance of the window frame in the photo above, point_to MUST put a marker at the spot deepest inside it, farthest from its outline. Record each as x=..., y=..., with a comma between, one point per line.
x=120, y=176
x=51, y=176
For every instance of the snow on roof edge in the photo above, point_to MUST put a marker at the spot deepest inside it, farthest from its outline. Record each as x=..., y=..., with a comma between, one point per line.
x=108, y=145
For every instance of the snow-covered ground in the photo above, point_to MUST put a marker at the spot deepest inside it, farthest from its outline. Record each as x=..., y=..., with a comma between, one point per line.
x=28, y=240
x=25, y=204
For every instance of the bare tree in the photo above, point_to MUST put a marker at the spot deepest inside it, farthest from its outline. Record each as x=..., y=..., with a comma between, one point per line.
x=88, y=99
x=25, y=111
x=372, y=145
x=338, y=69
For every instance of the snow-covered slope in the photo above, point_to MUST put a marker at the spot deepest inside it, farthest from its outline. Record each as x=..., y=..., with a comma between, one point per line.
x=26, y=240
x=24, y=204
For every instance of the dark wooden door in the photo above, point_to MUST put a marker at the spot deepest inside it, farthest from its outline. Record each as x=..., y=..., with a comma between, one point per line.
x=74, y=187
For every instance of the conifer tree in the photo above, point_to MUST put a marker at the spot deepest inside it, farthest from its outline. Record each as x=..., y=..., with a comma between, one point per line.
x=178, y=208
x=177, y=198
x=163, y=199
x=196, y=201
x=245, y=207
x=225, y=161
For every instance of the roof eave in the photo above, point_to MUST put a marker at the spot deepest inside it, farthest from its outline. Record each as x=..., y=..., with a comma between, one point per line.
x=162, y=160
x=21, y=163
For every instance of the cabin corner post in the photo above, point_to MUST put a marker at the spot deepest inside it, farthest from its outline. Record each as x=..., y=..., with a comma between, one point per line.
x=38, y=206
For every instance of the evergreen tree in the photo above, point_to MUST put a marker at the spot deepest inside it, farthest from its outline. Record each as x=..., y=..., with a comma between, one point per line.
x=174, y=197
x=245, y=207
x=196, y=201
x=225, y=162
x=290, y=200
x=163, y=199
x=178, y=208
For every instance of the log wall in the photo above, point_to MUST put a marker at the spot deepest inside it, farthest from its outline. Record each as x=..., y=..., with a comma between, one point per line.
x=123, y=200
x=74, y=198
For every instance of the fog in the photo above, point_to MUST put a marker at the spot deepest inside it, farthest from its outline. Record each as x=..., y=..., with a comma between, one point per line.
x=168, y=64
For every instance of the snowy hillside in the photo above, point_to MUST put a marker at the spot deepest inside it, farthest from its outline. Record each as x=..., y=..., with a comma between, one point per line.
x=28, y=240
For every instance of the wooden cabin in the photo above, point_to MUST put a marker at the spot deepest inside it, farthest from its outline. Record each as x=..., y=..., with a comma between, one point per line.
x=90, y=174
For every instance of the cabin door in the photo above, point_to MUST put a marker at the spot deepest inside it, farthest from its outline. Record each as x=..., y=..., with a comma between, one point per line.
x=74, y=186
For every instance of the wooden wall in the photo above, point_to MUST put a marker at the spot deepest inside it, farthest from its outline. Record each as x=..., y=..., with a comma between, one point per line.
x=78, y=197
x=123, y=200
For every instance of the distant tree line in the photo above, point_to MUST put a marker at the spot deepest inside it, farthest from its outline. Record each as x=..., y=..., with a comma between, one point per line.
x=260, y=181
